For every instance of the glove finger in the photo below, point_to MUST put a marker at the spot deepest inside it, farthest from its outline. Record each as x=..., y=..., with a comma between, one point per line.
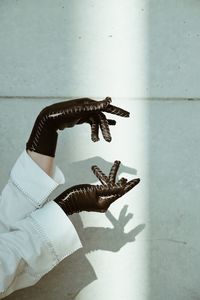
x=103, y=122
x=119, y=193
x=109, y=190
x=130, y=184
x=100, y=175
x=116, y=191
x=94, y=129
x=111, y=122
x=95, y=106
x=85, y=106
x=122, y=181
x=116, y=111
x=108, y=194
x=113, y=171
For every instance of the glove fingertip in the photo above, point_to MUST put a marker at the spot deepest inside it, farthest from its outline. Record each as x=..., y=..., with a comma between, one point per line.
x=95, y=139
x=107, y=138
x=137, y=180
x=93, y=167
x=108, y=99
x=112, y=122
x=134, y=182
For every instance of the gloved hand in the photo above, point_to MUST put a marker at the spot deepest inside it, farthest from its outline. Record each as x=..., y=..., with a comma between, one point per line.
x=87, y=197
x=43, y=138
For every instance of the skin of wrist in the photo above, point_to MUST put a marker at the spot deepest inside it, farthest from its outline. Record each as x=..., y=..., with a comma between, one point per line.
x=46, y=163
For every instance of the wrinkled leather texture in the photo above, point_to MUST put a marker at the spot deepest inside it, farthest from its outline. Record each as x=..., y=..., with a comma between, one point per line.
x=43, y=138
x=96, y=198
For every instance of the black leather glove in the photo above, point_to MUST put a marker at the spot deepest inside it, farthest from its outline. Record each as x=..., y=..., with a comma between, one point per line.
x=98, y=198
x=43, y=138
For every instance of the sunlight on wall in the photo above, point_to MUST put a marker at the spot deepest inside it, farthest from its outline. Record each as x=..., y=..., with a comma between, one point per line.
x=121, y=266
x=112, y=45
x=117, y=67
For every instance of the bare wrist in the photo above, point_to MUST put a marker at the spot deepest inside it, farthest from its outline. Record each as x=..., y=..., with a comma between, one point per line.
x=46, y=163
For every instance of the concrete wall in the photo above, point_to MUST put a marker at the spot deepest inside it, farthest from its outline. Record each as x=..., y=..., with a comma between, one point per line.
x=71, y=48
x=145, y=55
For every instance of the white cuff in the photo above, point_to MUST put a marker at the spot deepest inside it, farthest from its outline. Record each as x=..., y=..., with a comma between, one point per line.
x=57, y=230
x=33, y=181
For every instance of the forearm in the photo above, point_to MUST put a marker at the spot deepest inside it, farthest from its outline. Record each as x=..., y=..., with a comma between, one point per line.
x=46, y=163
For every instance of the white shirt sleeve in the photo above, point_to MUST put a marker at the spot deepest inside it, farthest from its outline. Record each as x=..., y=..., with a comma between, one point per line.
x=34, y=237
x=28, y=188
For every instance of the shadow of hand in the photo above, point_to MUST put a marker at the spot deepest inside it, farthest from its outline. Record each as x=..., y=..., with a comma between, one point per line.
x=111, y=239
x=76, y=170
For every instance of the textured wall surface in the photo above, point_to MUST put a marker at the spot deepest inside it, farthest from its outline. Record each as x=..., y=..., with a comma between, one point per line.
x=145, y=55
x=173, y=49
x=71, y=48
x=92, y=48
x=174, y=200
